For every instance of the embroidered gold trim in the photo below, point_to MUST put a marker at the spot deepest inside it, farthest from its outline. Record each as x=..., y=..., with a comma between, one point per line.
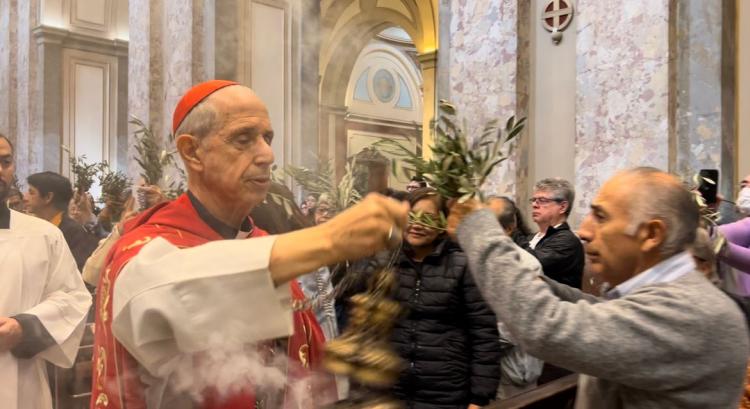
x=102, y=400
x=101, y=368
x=301, y=305
x=136, y=243
x=303, y=353
x=105, y=297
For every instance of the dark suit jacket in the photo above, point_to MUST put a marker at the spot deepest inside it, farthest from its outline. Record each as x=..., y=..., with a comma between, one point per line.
x=561, y=254
x=81, y=242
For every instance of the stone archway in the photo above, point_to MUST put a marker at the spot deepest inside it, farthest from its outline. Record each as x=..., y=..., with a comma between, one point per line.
x=346, y=28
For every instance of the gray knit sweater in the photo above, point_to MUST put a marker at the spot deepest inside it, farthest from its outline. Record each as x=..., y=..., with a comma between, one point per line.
x=681, y=344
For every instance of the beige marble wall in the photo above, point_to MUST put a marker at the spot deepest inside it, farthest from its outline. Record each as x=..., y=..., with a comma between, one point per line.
x=171, y=49
x=483, y=70
x=8, y=57
x=177, y=48
x=622, y=90
x=30, y=144
x=139, y=68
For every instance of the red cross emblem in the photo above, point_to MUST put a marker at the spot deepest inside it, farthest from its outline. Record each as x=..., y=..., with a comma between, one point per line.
x=557, y=15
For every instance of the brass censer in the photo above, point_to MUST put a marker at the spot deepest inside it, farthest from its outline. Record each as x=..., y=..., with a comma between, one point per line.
x=363, y=352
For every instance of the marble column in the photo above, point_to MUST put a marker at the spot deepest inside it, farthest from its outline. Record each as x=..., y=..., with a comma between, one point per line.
x=428, y=66
x=8, y=58
x=306, y=72
x=522, y=155
x=48, y=110
x=622, y=83
x=483, y=71
x=444, y=41
x=171, y=48
x=332, y=136
x=700, y=140
x=30, y=143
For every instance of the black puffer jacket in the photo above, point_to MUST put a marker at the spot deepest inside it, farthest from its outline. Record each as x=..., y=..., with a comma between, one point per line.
x=447, y=334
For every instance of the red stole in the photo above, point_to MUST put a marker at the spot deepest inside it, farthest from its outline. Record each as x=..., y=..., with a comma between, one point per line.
x=115, y=383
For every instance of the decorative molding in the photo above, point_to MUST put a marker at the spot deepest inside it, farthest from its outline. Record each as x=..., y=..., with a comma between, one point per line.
x=79, y=41
x=380, y=56
x=393, y=123
x=101, y=26
x=109, y=67
x=248, y=61
x=428, y=60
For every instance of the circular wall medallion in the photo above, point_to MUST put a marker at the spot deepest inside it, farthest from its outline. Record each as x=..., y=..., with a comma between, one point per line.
x=557, y=15
x=384, y=85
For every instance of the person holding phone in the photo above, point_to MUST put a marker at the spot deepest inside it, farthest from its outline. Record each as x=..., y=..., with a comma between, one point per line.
x=737, y=251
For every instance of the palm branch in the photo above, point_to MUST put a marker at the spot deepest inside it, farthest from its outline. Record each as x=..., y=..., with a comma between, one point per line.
x=114, y=184
x=151, y=156
x=83, y=173
x=154, y=160
x=322, y=182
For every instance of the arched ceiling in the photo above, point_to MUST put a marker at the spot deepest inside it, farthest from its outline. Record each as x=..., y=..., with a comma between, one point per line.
x=348, y=25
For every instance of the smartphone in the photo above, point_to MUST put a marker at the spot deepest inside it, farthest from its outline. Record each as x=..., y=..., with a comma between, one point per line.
x=709, y=184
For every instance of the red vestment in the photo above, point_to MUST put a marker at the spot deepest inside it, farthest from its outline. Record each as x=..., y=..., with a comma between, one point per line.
x=116, y=383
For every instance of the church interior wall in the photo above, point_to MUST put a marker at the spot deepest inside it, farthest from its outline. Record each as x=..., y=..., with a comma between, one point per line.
x=42, y=99
x=622, y=90
x=698, y=89
x=483, y=70
x=346, y=27
x=661, y=92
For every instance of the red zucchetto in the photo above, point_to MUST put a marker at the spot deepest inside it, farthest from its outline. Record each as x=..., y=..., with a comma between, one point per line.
x=193, y=97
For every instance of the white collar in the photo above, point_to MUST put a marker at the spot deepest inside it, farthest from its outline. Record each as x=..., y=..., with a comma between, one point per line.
x=664, y=272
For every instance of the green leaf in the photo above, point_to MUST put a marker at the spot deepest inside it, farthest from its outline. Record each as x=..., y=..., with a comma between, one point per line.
x=514, y=132
x=446, y=108
x=510, y=123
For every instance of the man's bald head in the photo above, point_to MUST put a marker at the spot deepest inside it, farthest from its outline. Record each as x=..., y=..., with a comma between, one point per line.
x=651, y=194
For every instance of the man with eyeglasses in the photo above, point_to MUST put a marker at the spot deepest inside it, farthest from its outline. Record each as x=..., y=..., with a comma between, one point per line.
x=555, y=246
x=324, y=211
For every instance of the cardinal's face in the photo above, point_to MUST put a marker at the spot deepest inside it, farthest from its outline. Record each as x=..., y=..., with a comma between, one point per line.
x=237, y=157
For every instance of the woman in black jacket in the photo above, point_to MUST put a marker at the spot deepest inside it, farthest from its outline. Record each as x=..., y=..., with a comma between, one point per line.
x=447, y=335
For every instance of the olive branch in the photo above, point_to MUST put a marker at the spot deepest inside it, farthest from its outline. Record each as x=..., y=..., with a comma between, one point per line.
x=436, y=223
x=457, y=168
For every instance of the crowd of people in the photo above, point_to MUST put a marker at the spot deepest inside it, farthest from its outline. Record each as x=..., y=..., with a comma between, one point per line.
x=490, y=307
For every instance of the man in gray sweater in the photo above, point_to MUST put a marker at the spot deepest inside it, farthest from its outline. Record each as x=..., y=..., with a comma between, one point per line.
x=661, y=337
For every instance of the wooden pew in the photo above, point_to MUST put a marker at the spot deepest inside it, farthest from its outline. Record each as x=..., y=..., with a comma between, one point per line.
x=552, y=395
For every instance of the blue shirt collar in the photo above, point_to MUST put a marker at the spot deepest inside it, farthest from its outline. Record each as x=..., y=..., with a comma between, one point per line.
x=664, y=272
